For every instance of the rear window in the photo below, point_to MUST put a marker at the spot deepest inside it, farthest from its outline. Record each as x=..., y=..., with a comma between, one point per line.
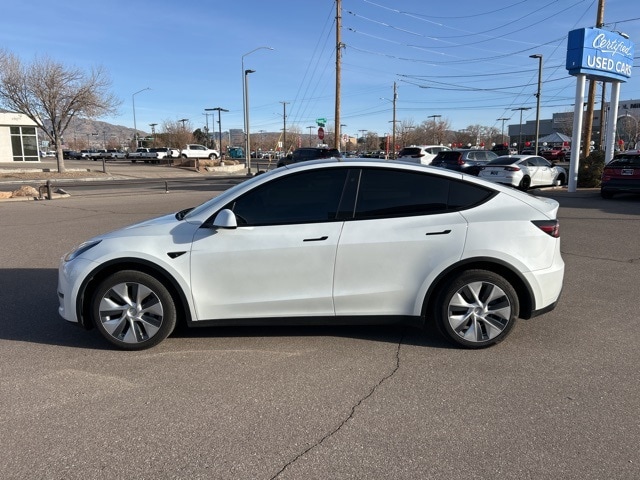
x=625, y=160
x=503, y=161
x=448, y=157
x=410, y=151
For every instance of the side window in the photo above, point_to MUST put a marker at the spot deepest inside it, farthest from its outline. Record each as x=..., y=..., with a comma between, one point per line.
x=307, y=197
x=465, y=195
x=385, y=193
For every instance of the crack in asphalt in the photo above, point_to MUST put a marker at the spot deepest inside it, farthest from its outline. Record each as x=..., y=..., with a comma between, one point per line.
x=591, y=257
x=351, y=414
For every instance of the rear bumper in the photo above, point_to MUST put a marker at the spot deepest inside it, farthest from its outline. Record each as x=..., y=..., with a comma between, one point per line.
x=621, y=186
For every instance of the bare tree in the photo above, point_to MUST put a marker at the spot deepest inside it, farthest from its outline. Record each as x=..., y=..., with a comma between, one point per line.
x=52, y=94
x=177, y=133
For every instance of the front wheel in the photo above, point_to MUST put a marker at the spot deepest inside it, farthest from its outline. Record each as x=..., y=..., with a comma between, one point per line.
x=133, y=310
x=477, y=309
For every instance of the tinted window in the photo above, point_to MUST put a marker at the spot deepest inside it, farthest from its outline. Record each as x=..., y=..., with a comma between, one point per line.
x=385, y=193
x=626, y=159
x=448, y=157
x=538, y=162
x=465, y=195
x=306, y=197
x=410, y=151
x=503, y=161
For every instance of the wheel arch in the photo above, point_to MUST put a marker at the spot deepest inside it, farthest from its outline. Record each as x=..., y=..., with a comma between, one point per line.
x=519, y=283
x=83, y=305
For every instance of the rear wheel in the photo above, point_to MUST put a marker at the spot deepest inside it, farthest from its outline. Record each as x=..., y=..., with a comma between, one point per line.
x=477, y=309
x=525, y=183
x=133, y=310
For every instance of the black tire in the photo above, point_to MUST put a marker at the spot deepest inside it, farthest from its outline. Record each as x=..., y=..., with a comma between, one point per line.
x=476, y=309
x=561, y=180
x=525, y=183
x=133, y=310
x=605, y=194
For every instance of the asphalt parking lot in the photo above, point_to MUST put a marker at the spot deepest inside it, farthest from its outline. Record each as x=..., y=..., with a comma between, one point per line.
x=558, y=399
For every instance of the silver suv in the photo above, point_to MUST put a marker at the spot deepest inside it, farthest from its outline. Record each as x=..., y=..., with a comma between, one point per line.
x=423, y=154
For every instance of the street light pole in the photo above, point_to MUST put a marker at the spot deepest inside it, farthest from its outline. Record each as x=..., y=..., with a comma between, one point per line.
x=504, y=119
x=362, y=135
x=218, y=109
x=539, y=57
x=133, y=101
x=153, y=132
x=435, y=134
x=247, y=154
x=247, y=135
x=284, y=130
x=521, y=109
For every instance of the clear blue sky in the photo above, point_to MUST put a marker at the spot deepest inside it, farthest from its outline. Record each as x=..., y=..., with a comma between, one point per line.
x=467, y=61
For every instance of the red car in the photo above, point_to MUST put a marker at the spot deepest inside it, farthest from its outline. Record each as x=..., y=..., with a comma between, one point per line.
x=621, y=175
x=555, y=153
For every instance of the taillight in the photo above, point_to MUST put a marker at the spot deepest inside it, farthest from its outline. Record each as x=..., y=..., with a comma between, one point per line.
x=512, y=169
x=550, y=227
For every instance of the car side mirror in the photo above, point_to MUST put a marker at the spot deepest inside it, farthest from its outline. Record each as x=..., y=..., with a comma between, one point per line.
x=225, y=219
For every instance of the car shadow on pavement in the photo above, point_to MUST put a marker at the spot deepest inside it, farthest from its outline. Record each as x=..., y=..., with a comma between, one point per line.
x=623, y=203
x=30, y=314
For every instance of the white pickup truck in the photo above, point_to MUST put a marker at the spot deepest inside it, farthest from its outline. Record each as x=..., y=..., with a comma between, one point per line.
x=140, y=154
x=198, y=151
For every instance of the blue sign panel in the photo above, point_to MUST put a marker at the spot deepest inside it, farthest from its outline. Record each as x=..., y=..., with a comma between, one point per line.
x=599, y=54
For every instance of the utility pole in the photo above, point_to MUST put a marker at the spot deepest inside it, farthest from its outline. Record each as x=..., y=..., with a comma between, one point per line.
x=591, y=98
x=284, y=130
x=336, y=140
x=393, y=135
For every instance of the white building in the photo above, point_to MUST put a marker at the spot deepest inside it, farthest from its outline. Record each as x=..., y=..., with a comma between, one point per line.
x=18, y=138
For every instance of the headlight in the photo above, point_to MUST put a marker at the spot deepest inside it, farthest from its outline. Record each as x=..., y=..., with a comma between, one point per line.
x=80, y=249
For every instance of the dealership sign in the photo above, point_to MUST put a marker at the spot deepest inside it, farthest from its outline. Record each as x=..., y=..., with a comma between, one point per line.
x=600, y=54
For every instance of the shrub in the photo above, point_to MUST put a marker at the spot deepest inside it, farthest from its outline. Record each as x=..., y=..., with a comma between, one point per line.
x=590, y=170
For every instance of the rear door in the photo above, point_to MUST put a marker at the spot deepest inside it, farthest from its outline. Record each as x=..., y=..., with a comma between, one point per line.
x=401, y=235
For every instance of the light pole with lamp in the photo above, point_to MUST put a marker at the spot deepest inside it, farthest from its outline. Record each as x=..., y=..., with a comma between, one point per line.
x=153, y=133
x=435, y=128
x=133, y=101
x=539, y=57
x=247, y=139
x=503, y=119
x=362, y=131
x=218, y=109
x=245, y=109
x=521, y=109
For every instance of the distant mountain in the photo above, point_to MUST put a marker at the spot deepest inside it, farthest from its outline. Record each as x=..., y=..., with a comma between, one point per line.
x=83, y=133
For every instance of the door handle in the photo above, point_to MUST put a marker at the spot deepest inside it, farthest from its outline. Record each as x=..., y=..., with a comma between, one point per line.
x=319, y=239
x=444, y=232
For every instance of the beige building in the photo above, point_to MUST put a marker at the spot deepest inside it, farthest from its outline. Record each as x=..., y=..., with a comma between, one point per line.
x=18, y=138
